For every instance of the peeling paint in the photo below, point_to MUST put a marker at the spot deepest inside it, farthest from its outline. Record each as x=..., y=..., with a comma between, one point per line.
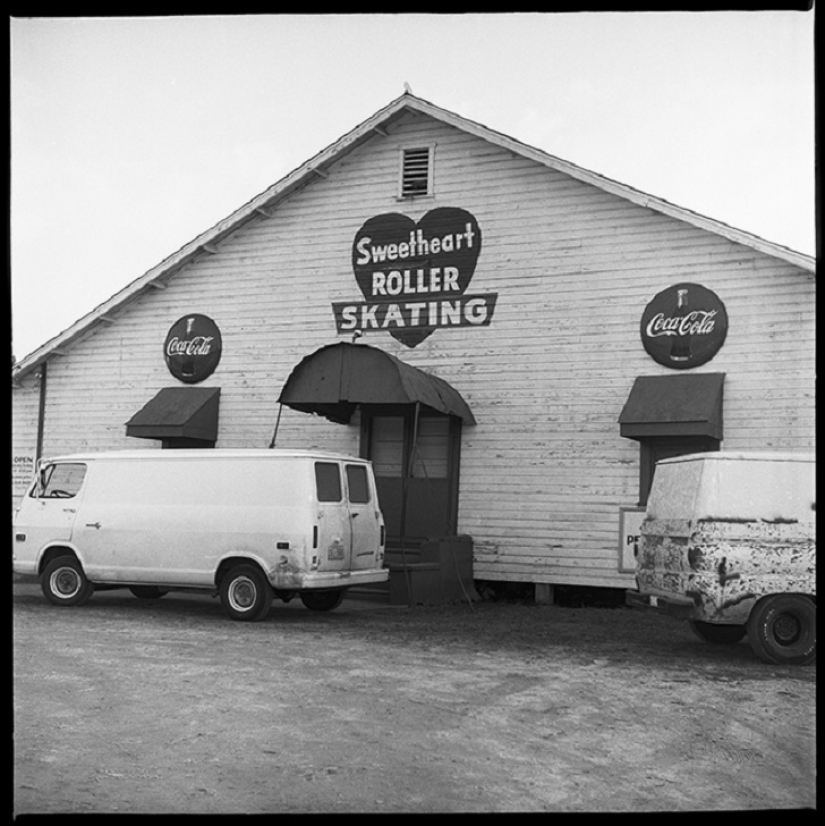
x=726, y=565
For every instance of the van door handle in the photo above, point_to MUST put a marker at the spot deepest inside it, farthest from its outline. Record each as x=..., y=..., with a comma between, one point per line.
x=95, y=525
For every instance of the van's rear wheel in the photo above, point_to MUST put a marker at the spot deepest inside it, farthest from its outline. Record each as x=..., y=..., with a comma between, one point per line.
x=782, y=629
x=64, y=583
x=322, y=600
x=246, y=594
x=147, y=591
x=718, y=634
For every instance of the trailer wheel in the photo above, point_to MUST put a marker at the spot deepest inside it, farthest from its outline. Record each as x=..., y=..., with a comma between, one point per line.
x=64, y=583
x=245, y=593
x=782, y=629
x=147, y=591
x=717, y=634
x=322, y=600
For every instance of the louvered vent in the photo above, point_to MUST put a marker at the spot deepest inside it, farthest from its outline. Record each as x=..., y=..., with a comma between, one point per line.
x=415, y=172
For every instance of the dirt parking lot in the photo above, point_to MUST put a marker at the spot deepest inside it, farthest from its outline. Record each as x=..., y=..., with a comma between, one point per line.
x=135, y=706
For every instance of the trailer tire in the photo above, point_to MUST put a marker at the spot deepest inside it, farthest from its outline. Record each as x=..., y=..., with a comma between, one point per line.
x=64, y=583
x=246, y=594
x=782, y=629
x=717, y=634
x=322, y=600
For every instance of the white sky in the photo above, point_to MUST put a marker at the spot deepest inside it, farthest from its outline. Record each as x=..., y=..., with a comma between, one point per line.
x=130, y=136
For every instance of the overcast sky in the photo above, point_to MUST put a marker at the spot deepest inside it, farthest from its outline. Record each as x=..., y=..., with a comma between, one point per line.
x=130, y=136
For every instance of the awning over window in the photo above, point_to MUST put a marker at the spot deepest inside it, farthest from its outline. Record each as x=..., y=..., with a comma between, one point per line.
x=683, y=405
x=334, y=380
x=178, y=412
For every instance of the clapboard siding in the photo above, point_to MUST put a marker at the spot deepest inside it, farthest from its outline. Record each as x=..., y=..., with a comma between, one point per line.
x=545, y=471
x=26, y=403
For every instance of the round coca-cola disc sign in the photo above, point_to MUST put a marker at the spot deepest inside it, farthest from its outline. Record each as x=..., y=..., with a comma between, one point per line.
x=684, y=326
x=192, y=348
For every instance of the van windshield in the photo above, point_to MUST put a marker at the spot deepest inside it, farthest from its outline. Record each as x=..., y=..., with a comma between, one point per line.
x=61, y=481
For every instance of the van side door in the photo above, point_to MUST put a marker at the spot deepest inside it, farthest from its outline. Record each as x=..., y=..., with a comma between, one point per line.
x=47, y=515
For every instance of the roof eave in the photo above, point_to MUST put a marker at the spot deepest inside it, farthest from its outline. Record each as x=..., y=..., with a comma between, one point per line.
x=276, y=192
x=615, y=187
x=346, y=143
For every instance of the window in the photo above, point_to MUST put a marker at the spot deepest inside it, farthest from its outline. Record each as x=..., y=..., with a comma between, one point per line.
x=431, y=456
x=359, y=491
x=416, y=171
x=59, y=481
x=328, y=482
x=387, y=445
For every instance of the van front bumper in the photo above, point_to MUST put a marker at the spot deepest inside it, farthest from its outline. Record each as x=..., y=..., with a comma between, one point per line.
x=674, y=605
x=340, y=579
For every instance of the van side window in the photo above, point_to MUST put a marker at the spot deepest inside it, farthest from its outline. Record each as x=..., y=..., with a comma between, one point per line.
x=328, y=482
x=59, y=481
x=359, y=491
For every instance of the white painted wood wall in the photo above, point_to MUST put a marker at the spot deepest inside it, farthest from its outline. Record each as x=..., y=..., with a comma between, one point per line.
x=545, y=471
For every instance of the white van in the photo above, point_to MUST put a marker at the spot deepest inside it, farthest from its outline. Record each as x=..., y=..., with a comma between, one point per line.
x=729, y=544
x=249, y=525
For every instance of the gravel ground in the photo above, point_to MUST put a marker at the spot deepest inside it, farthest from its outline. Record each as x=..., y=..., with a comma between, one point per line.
x=137, y=706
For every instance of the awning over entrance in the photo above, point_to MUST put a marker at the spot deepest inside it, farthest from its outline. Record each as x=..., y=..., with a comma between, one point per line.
x=178, y=413
x=334, y=380
x=683, y=405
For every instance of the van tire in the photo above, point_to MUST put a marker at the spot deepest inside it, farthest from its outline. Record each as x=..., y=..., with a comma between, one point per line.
x=64, y=583
x=147, y=591
x=782, y=629
x=717, y=634
x=246, y=594
x=322, y=600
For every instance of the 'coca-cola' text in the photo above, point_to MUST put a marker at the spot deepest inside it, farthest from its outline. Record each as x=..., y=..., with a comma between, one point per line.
x=197, y=346
x=695, y=323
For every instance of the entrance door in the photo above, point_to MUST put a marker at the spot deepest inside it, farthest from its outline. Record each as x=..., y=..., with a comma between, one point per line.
x=415, y=460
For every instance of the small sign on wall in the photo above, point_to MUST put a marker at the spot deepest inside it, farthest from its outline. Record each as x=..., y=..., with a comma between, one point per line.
x=192, y=349
x=22, y=472
x=684, y=326
x=630, y=524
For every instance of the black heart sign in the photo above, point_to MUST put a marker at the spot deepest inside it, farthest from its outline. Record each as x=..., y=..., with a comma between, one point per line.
x=398, y=260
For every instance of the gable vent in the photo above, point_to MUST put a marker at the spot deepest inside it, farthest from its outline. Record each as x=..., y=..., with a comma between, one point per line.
x=416, y=168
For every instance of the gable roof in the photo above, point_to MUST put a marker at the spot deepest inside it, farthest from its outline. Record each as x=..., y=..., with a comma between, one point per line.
x=207, y=241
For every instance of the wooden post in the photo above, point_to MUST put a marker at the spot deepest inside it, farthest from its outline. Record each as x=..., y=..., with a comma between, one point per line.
x=544, y=593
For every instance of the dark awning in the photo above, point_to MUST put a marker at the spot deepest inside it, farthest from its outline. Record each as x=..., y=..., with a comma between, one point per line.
x=178, y=412
x=334, y=380
x=683, y=405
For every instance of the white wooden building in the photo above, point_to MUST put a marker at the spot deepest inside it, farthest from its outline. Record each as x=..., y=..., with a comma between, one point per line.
x=428, y=280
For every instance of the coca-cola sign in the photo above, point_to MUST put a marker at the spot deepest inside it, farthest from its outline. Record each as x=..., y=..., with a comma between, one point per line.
x=414, y=276
x=192, y=348
x=684, y=326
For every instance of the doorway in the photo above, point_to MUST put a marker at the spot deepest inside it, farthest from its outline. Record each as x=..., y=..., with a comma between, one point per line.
x=415, y=453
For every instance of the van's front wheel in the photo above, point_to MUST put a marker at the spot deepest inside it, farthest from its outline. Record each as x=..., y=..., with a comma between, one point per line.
x=322, y=600
x=782, y=629
x=64, y=583
x=245, y=594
